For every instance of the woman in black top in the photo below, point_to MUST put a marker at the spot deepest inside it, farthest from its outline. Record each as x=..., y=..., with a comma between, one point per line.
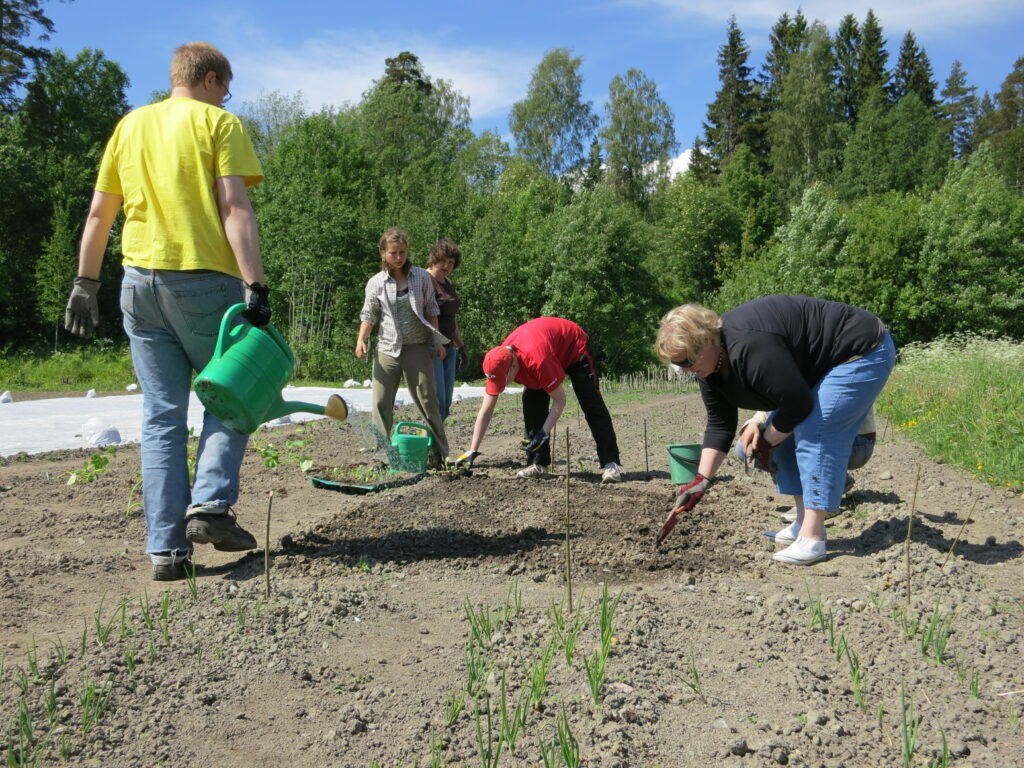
x=815, y=365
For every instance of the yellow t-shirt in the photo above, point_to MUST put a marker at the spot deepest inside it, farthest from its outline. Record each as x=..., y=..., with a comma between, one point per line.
x=164, y=160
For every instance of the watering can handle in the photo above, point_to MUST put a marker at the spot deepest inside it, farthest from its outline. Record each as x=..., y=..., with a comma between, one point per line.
x=224, y=340
x=417, y=425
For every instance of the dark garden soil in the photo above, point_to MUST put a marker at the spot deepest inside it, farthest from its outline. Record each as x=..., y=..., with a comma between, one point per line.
x=359, y=655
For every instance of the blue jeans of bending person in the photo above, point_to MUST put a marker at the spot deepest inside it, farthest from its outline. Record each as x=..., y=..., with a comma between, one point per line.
x=860, y=453
x=444, y=378
x=812, y=462
x=172, y=320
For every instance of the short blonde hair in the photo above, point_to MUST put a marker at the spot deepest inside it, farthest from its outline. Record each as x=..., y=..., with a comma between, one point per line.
x=394, y=235
x=685, y=331
x=192, y=61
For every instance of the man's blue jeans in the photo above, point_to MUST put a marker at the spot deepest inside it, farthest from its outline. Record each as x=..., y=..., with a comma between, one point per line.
x=172, y=320
x=444, y=376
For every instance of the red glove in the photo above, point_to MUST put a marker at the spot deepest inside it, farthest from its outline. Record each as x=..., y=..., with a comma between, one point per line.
x=763, y=455
x=687, y=499
x=690, y=494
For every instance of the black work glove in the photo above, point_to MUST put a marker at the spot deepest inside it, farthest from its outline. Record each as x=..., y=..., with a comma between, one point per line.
x=463, y=357
x=83, y=311
x=258, y=311
x=532, y=445
x=690, y=494
x=763, y=455
x=466, y=459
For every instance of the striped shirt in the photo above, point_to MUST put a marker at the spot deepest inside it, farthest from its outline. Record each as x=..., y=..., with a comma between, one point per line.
x=381, y=306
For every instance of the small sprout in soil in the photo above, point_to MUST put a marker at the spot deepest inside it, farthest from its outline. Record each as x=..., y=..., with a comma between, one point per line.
x=856, y=677
x=103, y=630
x=258, y=608
x=147, y=616
x=125, y=629
x=1013, y=715
x=21, y=680
x=130, y=659
x=539, y=676
x=240, y=614
x=489, y=748
x=936, y=635
x=608, y=608
x=94, y=699
x=65, y=747
x=910, y=724
x=60, y=655
x=133, y=503
x=942, y=759
x=513, y=602
x=595, y=667
x=199, y=653
x=32, y=659
x=567, y=744
x=512, y=725
x=52, y=709
x=190, y=578
x=975, y=684
x=436, y=751
x=694, y=684
x=153, y=655
x=477, y=669
x=94, y=466
x=453, y=705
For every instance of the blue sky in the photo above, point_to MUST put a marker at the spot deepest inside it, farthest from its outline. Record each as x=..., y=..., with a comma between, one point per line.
x=332, y=50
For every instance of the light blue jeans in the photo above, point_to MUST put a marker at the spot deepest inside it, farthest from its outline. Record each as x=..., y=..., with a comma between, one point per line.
x=812, y=461
x=172, y=320
x=444, y=376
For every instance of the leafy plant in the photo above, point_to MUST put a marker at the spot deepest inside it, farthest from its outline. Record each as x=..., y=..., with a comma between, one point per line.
x=453, y=704
x=490, y=747
x=693, y=682
x=936, y=635
x=133, y=503
x=567, y=744
x=539, y=676
x=910, y=724
x=94, y=466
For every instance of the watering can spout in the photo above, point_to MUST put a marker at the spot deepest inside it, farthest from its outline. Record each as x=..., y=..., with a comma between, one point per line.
x=336, y=408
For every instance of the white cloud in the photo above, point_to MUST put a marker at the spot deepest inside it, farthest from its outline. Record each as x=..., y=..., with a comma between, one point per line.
x=898, y=15
x=335, y=68
x=679, y=164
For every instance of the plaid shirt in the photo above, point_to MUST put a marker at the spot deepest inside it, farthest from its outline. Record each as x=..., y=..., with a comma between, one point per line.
x=380, y=307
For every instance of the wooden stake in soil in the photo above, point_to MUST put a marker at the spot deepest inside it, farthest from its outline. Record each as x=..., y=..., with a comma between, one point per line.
x=568, y=525
x=266, y=546
x=910, y=526
x=647, y=466
x=960, y=532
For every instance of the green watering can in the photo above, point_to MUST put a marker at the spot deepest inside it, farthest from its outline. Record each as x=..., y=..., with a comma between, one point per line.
x=242, y=383
x=412, y=442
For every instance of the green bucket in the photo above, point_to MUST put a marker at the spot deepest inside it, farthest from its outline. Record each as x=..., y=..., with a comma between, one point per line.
x=683, y=460
x=412, y=446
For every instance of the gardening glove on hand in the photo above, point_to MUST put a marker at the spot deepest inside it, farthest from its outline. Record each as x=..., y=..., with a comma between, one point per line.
x=258, y=310
x=466, y=459
x=690, y=494
x=83, y=311
x=463, y=357
x=762, y=455
x=687, y=499
x=533, y=444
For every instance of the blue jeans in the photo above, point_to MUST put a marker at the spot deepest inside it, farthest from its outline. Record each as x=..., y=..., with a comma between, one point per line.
x=444, y=376
x=860, y=454
x=812, y=461
x=172, y=320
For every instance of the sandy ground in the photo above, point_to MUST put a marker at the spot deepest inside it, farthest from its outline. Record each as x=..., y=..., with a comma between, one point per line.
x=364, y=651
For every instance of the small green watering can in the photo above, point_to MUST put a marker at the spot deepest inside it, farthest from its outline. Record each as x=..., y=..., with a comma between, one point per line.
x=242, y=383
x=412, y=446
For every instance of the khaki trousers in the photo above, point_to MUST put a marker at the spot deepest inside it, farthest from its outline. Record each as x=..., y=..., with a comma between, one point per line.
x=417, y=366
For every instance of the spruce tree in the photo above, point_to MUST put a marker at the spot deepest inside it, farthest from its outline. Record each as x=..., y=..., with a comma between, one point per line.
x=731, y=116
x=786, y=38
x=958, y=109
x=847, y=47
x=872, y=57
x=913, y=73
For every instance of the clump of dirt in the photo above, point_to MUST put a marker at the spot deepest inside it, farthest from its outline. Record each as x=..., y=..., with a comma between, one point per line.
x=431, y=623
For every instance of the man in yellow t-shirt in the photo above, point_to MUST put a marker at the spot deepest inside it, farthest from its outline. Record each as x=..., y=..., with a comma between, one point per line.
x=180, y=168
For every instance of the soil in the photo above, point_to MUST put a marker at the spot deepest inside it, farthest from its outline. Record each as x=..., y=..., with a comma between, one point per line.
x=359, y=655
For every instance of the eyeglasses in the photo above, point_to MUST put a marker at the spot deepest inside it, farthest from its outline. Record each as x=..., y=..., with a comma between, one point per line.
x=227, y=93
x=686, y=362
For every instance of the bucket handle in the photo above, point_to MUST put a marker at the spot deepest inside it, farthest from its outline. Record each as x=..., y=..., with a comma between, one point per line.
x=417, y=425
x=225, y=327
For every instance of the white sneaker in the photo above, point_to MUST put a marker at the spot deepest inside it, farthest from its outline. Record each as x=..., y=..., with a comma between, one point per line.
x=612, y=473
x=803, y=551
x=787, y=535
x=532, y=471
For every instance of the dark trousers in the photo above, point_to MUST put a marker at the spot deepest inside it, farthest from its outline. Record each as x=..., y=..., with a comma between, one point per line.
x=537, y=403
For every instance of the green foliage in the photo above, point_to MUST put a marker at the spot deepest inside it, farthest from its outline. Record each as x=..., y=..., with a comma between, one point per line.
x=959, y=398
x=18, y=21
x=553, y=126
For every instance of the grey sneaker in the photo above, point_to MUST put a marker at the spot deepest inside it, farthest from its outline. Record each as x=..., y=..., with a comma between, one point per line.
x=612, y=473
x=170, y=566
x=220, y=529
x=532, y=471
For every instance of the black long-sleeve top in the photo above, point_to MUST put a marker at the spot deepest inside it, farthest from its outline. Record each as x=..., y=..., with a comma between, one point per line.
x=778, y=348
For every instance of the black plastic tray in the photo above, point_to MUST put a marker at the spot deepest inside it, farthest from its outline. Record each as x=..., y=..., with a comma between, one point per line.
x=334, y=485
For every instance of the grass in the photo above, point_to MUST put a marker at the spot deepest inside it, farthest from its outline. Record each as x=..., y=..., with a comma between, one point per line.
x=99, y=365
x=958, y=397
